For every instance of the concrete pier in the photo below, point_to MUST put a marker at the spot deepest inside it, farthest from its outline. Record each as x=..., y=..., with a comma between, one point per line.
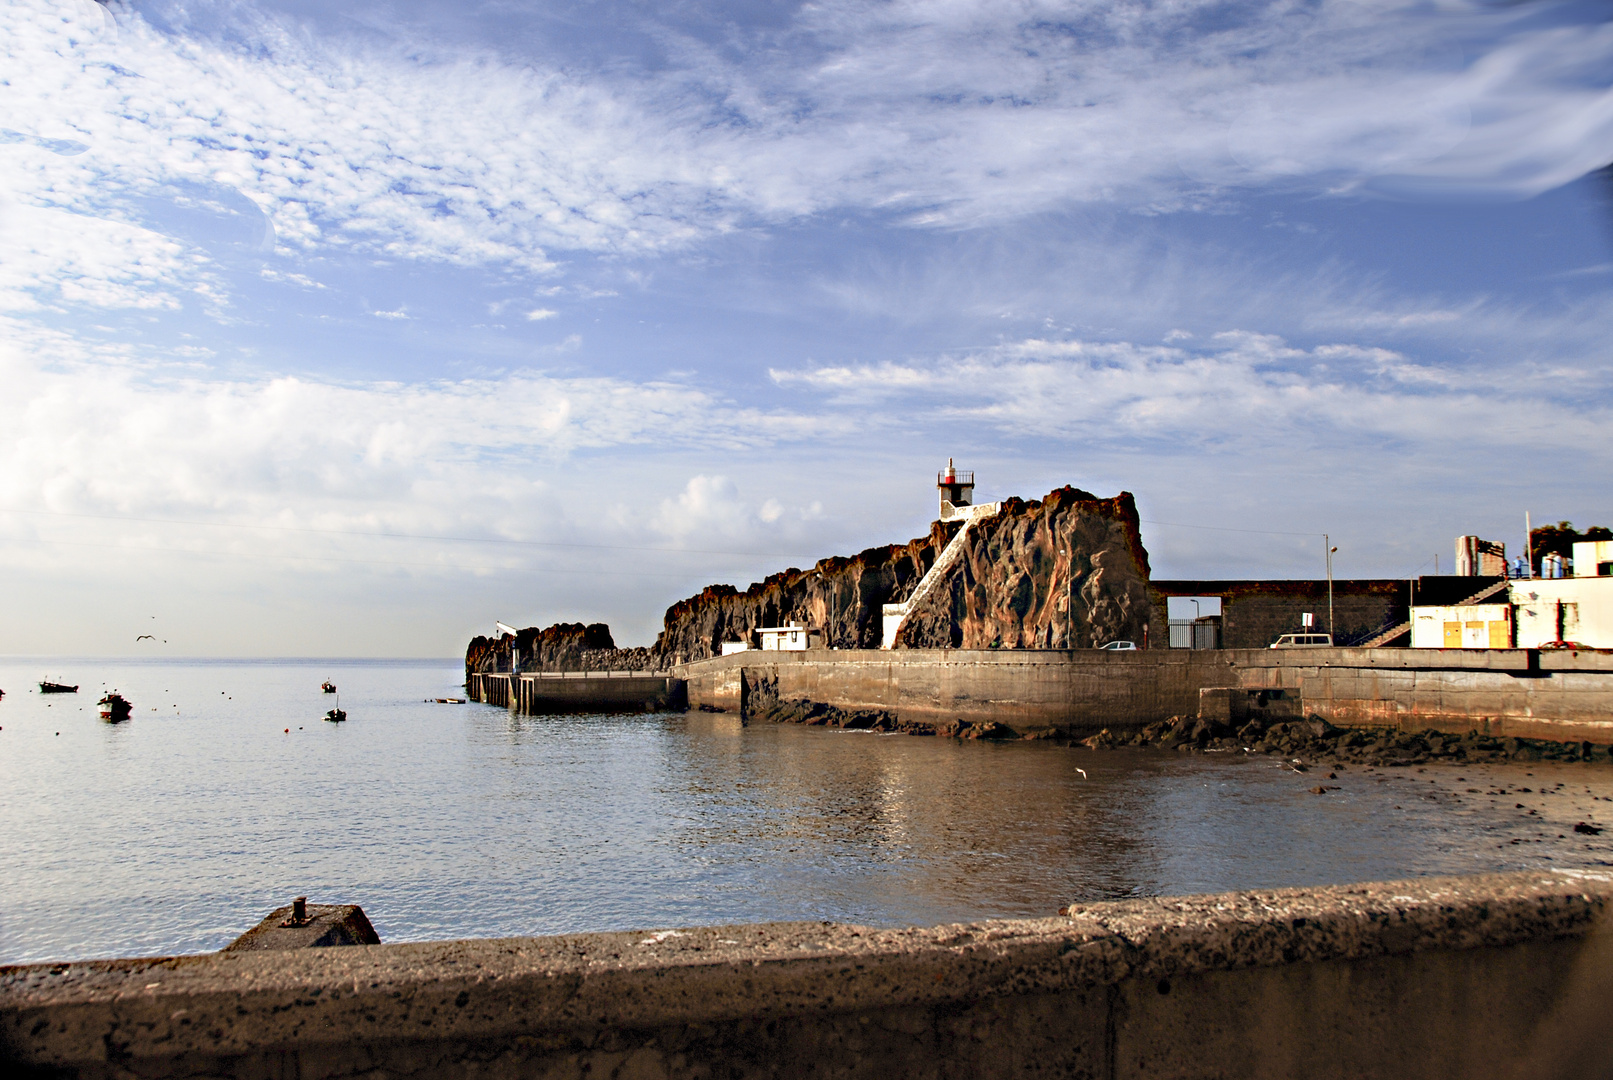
x=542, y=693
x=1503, y=976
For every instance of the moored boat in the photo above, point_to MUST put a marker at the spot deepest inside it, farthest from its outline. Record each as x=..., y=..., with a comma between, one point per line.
x=56, y=688
x=336, y=716
x=115, y=708
x=328, y=687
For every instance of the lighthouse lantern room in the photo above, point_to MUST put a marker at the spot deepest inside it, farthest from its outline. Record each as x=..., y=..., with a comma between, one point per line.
x=957, y=491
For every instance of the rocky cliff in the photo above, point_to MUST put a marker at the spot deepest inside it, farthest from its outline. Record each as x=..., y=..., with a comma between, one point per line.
x=561, y=647
x=1067, y=571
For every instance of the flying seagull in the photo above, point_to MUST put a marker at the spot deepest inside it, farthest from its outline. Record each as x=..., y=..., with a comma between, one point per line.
x=146, y=637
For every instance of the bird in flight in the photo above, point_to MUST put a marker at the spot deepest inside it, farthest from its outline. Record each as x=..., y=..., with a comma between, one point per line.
x=146, y=637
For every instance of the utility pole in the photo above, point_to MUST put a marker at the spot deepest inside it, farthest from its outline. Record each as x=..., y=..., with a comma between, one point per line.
x=1327, y=543
x=1529, y=543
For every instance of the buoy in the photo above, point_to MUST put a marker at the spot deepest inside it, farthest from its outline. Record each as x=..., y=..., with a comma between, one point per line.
x=288, y=731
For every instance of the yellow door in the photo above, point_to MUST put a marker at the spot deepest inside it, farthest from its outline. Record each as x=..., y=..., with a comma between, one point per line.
x=1500, y=638
x=1453, y=635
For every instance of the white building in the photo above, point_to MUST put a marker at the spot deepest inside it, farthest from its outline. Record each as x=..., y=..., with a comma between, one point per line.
x=1578, y=609
x=1470, y=626
x=1593, y=558
x=788, y=638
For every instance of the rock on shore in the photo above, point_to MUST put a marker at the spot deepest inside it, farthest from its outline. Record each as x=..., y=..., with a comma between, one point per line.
x=1316, y=741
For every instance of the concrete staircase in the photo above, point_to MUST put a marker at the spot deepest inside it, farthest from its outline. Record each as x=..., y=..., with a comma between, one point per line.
x=894, y=615
x=1379, y=640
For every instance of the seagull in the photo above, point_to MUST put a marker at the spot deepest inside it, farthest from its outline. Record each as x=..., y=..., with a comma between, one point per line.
x=1083, y=772
x=146, y=637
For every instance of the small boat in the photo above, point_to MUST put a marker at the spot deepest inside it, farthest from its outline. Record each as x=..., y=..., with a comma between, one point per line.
x=336, y=716
x=328, y=686
x=114, y=708
x=57, y=688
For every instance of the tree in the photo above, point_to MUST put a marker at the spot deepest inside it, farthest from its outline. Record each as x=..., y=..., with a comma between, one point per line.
x=1560, y=539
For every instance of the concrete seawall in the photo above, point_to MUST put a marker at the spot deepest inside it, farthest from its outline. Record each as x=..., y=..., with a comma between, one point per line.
x=1509, y=692
x=1504, y=976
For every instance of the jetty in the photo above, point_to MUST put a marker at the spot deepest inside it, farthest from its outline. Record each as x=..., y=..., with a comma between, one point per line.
x=548, y=692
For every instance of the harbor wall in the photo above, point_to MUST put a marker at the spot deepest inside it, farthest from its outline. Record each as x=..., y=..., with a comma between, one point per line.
x=1503, y=976
x=577, y=691
x=1521, y=693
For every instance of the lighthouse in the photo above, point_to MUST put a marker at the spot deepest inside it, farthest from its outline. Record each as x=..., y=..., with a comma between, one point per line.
x=957, y=491
x=957, y=504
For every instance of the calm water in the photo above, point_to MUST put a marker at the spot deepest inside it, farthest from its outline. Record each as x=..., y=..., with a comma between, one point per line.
x=178, y=830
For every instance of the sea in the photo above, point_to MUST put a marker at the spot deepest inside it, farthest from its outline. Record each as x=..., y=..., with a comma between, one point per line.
x=226, y=794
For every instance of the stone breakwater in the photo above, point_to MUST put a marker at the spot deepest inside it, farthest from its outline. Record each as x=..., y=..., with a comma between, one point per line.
x=1315, y=741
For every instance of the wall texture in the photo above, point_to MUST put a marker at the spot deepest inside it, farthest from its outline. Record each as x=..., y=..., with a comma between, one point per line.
x=1513, y=692
x=1501, y=976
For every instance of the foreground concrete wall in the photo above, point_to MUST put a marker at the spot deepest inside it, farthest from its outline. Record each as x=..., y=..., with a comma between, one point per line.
x=1511, y=692
x=1501, y=976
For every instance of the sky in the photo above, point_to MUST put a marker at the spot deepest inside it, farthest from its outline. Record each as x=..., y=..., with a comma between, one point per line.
x=330, y=330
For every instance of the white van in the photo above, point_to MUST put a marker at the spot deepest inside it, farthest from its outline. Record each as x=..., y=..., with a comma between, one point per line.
x=1304, y=641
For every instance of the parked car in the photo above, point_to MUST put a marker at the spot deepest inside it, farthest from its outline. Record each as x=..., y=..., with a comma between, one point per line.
x=1119, y=646
x=1304, y=641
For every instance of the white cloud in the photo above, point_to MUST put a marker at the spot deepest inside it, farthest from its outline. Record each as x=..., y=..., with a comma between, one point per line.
x=539, y=314
x=949, y=112
x=1243, y=394
x=396, y=313
x=711, y=509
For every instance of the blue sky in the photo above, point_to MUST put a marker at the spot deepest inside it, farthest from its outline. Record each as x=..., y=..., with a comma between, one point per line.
x=347, y=333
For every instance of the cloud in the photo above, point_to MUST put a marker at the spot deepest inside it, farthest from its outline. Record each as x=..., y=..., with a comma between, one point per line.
x=712, y=509
x=947, y=113
x=1242, y=394
x=539, y=314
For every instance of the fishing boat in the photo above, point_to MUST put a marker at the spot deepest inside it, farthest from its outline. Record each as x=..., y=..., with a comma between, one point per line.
x=57, y=688
x=336, y=716
x=115, y=708
x=328, y=686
